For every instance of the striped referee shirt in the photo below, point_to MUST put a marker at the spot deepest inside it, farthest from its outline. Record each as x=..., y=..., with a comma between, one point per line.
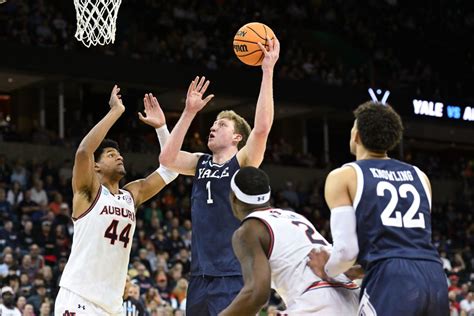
x=132, y=308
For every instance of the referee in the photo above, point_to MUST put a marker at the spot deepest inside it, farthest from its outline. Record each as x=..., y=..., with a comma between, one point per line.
x=131, y=305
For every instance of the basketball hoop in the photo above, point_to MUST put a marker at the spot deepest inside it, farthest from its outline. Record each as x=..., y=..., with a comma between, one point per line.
x=96, y=21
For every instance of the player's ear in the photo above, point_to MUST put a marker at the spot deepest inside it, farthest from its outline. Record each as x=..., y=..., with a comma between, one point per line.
x=357, y=137
x=237, y=138
x=96, y=167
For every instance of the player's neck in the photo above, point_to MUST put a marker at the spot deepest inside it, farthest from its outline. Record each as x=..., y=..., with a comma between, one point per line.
x=111, y=185
x=365, y=154
x=223, y=155
x=249, y=210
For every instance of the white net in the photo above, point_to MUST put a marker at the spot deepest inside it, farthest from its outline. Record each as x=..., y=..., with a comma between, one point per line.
x=96, y=21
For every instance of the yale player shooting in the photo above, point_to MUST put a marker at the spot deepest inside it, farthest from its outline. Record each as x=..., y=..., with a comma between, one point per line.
x=215, y=271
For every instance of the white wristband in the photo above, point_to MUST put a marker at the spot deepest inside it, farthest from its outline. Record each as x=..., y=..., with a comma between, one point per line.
x=166, y=174
x=163, y=135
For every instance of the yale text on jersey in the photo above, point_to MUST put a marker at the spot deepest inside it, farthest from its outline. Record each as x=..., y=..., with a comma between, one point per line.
x=204, y=173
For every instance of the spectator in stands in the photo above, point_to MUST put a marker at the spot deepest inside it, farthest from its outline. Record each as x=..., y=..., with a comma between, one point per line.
x=176, y=242
x=29, y=207
x=13, y=281
x=39, y=296
x=446, y=263
x=37, y=259
x=142, y=279
x=454, y=286
x=27, y=236
x=162, y=286
x=21, y=303
x=467, y=305
x=55, y=205
x=38, y=194
x=454, y=308
x=458, y=263
x=8, y=302
x=8, y=236
x=153, y=300
x=45, y=309
x=5, y=172
x=178, y=294
x=27, y=267
x=19, y=174
x=6, y=211
x=29, y=310
x=15, y=194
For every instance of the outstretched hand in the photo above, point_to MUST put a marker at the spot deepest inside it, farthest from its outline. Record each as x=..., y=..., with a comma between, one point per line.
x=194, y=98
x=154, y=115
x=271, y=55
x=115, y=101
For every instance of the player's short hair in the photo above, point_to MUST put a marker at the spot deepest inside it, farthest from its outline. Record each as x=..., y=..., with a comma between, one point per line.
x=241, y=125
x=106, y=143
x=252, y=181
x=380, y=127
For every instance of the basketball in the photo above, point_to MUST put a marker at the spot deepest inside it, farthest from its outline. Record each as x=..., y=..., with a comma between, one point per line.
x=246, y=39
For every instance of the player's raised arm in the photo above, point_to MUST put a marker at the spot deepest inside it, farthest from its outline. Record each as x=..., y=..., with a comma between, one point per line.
x=172, y=156
x=84, y=179
x=249, y=246
x=252, y=153
x=143, y=189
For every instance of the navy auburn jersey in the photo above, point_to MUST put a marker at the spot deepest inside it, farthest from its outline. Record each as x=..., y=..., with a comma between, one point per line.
x=213, y=220
x=393, y=212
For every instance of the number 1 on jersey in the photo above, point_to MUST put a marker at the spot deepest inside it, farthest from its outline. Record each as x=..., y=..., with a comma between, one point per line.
x=209, y=197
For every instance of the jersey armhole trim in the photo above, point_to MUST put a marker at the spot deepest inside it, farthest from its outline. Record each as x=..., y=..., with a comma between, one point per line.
x=424, y=184
x=90, y=207
x=360, y=183
x=270, y=231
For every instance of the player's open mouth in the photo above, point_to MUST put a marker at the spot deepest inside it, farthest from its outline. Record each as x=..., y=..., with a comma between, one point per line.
x=211, y=136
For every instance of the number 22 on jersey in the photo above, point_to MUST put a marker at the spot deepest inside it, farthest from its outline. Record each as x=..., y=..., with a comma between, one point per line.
x=408, y=220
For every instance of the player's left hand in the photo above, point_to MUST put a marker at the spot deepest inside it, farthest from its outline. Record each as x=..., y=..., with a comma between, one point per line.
x=317, y=261
x=115, y=101
x=271, y=55
x=194, y=98
x=154, y=115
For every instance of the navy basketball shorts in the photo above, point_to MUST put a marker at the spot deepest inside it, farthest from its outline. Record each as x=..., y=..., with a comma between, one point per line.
x=404, y=287
x=208, y=296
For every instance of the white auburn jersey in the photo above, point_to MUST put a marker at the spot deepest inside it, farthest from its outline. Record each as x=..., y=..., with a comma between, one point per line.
x=103, y=235
x=292, y=238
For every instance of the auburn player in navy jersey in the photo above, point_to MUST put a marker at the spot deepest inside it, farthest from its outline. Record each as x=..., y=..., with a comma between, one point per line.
x=216, y=277
x=380, y=216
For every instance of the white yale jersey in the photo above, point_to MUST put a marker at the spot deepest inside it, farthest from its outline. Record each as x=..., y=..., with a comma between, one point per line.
x=97, y=267
x=293, y=237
